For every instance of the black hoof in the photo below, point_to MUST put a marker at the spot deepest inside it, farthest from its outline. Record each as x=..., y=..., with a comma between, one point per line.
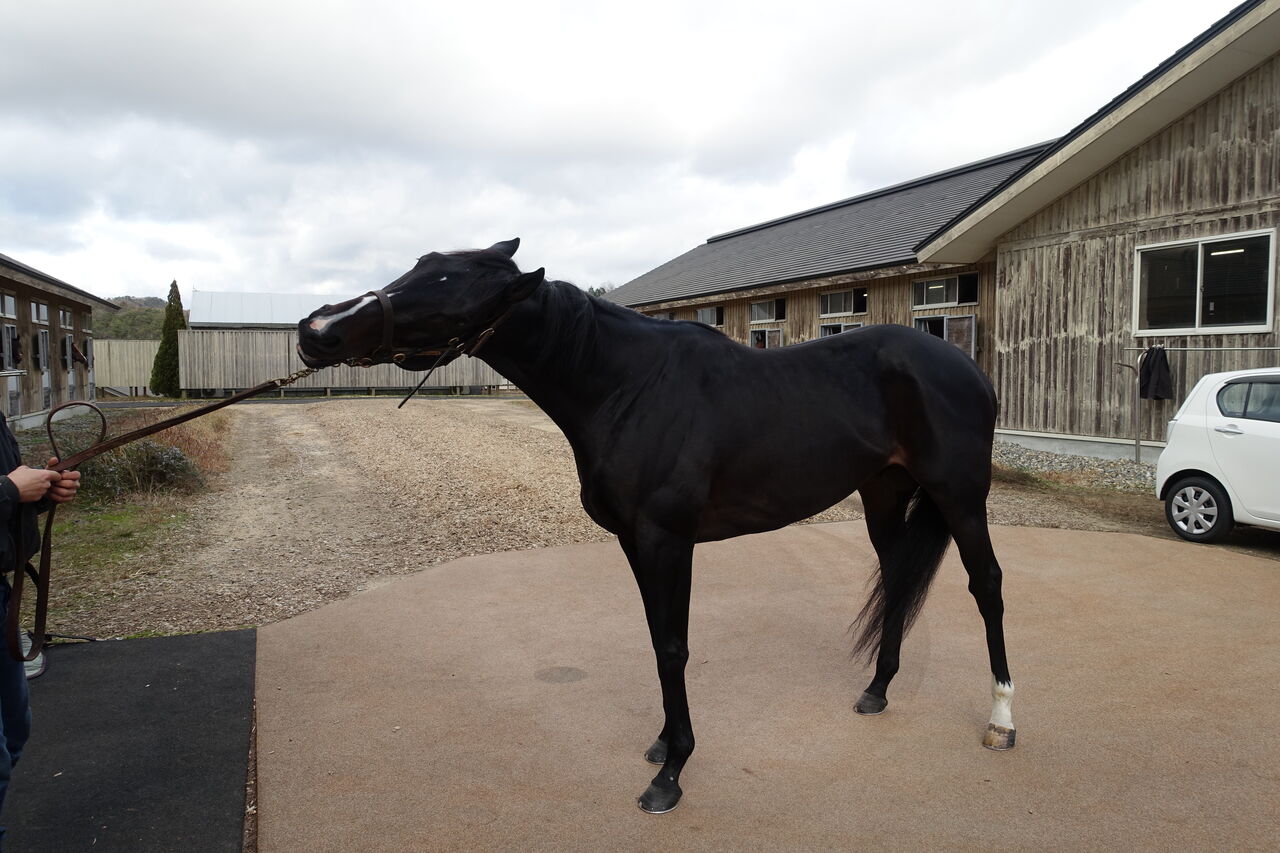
x=869, y=704
x=657, y=800
x=656, y=754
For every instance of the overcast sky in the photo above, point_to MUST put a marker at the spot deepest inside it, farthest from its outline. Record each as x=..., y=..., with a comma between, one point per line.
x=322, y=146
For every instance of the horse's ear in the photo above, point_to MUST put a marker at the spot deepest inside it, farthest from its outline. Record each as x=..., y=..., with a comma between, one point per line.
x=506, y=247
x=523, y=286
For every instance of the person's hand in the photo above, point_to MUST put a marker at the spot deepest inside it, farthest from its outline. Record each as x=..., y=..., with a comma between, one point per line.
x=33, y=484
x=64, y=488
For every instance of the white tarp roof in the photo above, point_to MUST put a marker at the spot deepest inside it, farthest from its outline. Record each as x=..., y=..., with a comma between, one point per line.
x=254, y=310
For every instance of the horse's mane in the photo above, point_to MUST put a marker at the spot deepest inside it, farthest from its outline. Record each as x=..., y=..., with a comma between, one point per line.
x=571, y=323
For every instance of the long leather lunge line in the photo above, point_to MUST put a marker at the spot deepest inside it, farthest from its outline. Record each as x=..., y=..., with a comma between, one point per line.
x=12, y=621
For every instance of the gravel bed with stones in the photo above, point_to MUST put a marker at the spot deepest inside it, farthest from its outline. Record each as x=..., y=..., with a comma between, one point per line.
x=1123, y=474
x=324, y=500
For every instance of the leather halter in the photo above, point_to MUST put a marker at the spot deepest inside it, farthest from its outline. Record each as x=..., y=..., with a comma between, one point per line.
x=387, y=351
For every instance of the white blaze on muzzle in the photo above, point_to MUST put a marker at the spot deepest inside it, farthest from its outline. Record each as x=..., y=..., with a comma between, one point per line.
x=319, y=324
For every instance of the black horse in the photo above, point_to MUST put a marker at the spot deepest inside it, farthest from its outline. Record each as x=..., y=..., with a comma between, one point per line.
x=674, y=427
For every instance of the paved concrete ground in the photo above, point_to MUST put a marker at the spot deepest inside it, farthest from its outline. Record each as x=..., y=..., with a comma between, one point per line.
x=503, y=703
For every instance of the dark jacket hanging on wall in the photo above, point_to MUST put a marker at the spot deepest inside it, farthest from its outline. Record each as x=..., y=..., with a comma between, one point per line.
x=1155, y=382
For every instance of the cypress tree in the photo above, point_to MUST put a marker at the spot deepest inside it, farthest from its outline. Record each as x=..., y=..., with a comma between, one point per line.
x=164, y=371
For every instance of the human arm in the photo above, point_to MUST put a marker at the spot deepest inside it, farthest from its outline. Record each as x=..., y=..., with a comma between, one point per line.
x=27, y=485
x=64, y=488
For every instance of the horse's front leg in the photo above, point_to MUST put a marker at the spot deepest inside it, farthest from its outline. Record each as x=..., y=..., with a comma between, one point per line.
x=662, y=564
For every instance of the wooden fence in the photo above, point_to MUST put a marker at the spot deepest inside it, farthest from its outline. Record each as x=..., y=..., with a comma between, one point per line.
x=123, y=364
x=230, y=359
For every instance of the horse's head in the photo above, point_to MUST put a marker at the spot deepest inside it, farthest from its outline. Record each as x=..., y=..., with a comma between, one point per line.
x=441, y=307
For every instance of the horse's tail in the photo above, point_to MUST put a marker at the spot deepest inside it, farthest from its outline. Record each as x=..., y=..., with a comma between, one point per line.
x=905, y=574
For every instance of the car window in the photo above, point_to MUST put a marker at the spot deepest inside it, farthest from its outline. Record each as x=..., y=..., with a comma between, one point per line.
x=1231, y=399
x=1264, y=401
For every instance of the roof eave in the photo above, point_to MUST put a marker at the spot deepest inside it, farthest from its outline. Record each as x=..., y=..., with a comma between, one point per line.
x=782, y=282
x=18, y=270
x=1236, y=50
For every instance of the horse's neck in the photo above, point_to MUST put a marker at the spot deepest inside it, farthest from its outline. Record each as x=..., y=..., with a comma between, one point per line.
x=569, y=388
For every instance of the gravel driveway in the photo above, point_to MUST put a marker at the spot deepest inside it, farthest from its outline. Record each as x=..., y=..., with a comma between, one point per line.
x=327, y=499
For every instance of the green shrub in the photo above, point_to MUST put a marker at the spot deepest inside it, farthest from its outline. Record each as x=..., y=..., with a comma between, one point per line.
x=143, y=466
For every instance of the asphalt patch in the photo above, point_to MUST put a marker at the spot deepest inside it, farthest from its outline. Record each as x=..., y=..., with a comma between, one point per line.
x=138, y=746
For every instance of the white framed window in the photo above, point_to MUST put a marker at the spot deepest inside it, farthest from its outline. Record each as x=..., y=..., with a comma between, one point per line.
x=42, y=350
x=40, y=312
x=64, y=318
x=769, y=311
x=958, y=330
x=828, y=329
x=8, y=305
x=1206, y=286
x=712, y=316
x=843, y=302
x=86, y=322
x=766, y=338
x=945, y=292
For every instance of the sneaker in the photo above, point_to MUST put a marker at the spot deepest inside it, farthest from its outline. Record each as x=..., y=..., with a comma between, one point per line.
x=35, y=667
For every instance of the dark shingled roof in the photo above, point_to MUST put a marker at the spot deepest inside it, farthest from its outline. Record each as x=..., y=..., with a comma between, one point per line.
x=19, y=266
x=877, y=229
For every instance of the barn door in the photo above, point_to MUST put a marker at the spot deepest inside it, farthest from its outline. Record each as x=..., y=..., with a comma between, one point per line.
x=69, y=364
x=13, y=379
x=42, y=364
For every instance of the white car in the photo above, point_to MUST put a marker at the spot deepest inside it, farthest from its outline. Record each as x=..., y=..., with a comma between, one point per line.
x=1222, y=462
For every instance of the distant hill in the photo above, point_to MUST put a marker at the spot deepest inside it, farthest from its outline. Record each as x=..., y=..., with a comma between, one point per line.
x=138, y=301
x=139, y=318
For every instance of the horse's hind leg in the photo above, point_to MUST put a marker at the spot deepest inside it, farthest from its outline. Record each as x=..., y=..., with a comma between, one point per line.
x=663, y=566
x=884, y=499
x=973, y=540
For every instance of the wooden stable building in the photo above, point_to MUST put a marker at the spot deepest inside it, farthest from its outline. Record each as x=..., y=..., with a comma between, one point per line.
x=839, y=267
x=1152, y=222
x=46, y=343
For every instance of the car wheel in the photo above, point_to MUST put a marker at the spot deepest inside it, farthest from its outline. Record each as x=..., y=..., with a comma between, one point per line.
x=1198, y=510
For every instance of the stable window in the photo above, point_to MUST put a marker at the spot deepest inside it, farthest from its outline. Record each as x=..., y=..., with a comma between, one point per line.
x=40, y=312
x=9, y=353
x=844, y=302
x=713, y=316
x=764, y=312
x=42, y=350
x=1258, y=400
x=766, y=338
x=1225, y=284
x=828, y=329
x=64, y=318
x=944, y=292
x=86, y=323
x=961, y=331
x=8, y=306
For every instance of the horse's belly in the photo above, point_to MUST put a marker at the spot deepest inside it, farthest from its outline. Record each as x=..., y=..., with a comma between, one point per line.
x=764, y=505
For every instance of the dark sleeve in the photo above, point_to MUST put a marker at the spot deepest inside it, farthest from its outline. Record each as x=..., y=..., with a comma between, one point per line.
x=9, y=499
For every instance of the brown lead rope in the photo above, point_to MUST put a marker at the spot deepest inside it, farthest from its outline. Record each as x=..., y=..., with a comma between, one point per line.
x=12, y=624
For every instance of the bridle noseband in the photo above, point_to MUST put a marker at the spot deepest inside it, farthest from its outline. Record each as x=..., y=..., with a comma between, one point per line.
x=387, y=351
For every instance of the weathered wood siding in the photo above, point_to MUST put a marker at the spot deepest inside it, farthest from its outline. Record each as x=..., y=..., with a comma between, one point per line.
x=242, y=358
x=123, y=364
x=1065, y=281
x=889, y=298
x=23, y=388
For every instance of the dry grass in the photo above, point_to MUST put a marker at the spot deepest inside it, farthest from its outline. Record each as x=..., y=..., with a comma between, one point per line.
x=202, y=440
